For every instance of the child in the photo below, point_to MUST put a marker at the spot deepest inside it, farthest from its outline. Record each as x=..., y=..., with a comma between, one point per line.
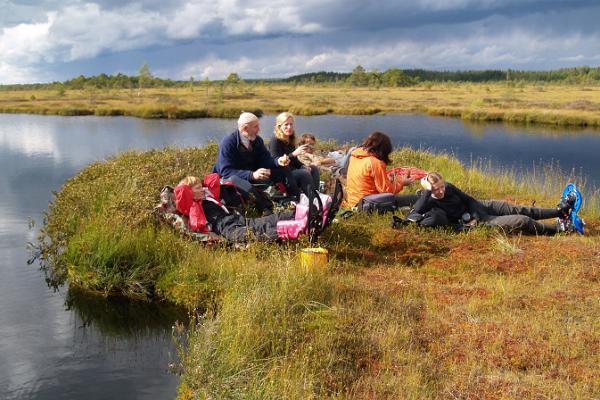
x=310, y=158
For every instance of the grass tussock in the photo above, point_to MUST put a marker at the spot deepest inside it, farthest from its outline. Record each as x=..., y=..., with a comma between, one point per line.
x=554, y=105
x=408, y=313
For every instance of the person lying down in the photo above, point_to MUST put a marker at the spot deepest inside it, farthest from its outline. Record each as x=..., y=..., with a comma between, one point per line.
x=443, y=204
x=199, y=200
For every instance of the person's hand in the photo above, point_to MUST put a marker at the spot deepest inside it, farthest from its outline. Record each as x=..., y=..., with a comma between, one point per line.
x=407, y=180
x=283, y=161
x=404, y=179
x=472, y=222
x=261, y=174
x=300, y=150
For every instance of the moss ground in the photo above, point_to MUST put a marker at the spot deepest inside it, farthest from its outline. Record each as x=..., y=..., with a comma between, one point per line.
x=406, y=313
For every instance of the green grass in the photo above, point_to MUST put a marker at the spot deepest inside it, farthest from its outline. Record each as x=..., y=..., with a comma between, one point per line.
x=409, y=313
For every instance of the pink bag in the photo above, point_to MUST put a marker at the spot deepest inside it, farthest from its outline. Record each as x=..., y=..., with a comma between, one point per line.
x=291, y=230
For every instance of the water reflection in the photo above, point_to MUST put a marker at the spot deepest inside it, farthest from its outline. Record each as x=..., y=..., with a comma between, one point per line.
x=103, y=349
x=122, y=317
x=475, y=129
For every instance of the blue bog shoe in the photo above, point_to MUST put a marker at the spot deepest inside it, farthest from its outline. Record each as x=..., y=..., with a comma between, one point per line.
x=568, y=206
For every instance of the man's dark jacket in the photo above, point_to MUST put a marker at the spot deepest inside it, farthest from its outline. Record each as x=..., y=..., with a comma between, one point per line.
x=235, y=159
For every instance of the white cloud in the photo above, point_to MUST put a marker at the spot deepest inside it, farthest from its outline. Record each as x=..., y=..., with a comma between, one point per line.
x=315, y=35
x=17, y=74
x=188, y=21
x=442, y=5
x=85, y=30
x=577, y=58
x=512, y=49
x=213, y=67
x=26, y=42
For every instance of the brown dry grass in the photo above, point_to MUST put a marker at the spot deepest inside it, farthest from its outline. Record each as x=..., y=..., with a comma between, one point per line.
x=523, y=103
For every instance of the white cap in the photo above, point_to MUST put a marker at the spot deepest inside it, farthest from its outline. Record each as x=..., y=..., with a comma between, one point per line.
x=425, y=183
x=246, y=118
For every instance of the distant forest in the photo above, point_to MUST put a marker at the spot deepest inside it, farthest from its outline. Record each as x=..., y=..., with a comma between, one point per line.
x=358, y=77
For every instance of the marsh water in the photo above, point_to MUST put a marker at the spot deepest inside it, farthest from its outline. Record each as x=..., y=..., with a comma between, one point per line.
x=65, y=344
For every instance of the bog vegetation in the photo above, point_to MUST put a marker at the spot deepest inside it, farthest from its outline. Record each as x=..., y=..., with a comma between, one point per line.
x=406, y=313
x=565, y=97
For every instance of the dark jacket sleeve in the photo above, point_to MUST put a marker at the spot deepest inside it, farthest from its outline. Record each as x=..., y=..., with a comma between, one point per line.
x=278, y=148
x=267, y=160
x=475, y=207
x=226, y=160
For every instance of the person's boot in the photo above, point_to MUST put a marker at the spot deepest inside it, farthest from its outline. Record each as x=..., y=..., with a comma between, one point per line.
x=566, y=205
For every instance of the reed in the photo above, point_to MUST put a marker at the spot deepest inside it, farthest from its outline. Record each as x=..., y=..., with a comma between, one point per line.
x=555, y=105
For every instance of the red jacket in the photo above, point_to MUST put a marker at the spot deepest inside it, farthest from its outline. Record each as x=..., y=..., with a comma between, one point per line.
x=186, y=205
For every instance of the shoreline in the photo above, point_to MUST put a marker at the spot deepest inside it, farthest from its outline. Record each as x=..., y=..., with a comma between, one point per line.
x=531, y=104
x=517, y=118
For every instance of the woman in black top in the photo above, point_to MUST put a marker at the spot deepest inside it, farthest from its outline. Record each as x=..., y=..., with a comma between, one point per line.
x=284, y=144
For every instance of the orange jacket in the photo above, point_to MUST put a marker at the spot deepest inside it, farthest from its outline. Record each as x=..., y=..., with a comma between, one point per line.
x=366, y=175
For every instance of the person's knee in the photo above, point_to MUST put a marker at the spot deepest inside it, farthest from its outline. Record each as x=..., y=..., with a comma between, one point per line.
x=314, y=172
x=522, y=222
x=303, y=179
x=512, y=223
x=239, y=182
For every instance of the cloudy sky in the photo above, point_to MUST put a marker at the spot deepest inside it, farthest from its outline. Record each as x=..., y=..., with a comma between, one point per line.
x=47, y=40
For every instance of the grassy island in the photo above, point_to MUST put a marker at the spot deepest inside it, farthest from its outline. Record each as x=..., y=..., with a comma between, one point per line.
x=406, y=313
x=518, y=102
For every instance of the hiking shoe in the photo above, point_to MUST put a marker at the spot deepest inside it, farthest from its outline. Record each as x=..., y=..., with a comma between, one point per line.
x=567, y=226
x=566, y=204
x=561, y=225
x=398, y=222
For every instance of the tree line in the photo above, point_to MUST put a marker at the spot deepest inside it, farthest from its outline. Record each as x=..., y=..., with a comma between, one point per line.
x=392, y=77
x=407, y=77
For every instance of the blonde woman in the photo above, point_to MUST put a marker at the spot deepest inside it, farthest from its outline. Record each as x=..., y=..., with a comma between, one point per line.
x=283, y=144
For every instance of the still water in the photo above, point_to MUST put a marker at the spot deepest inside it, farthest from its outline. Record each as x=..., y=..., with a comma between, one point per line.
x=68, y=345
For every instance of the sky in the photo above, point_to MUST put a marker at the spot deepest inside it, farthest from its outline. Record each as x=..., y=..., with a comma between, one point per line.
x=48, y=40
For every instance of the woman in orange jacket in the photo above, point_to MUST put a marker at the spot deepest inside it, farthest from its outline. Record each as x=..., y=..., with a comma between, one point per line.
x=368, y=186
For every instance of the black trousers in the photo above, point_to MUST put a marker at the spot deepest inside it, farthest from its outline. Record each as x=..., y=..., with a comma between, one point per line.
x=384, y=202
x=236, y=228
x=516, y=218
x=511, y=218
x=246, y=189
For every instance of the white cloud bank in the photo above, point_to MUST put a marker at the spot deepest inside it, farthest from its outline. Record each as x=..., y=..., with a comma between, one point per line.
x=516, y=49
x=318, y=35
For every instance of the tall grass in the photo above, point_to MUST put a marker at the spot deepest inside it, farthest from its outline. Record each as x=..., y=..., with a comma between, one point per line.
x=556, y=105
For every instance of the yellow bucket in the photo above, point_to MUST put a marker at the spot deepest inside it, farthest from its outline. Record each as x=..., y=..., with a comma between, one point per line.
x=314, y=258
